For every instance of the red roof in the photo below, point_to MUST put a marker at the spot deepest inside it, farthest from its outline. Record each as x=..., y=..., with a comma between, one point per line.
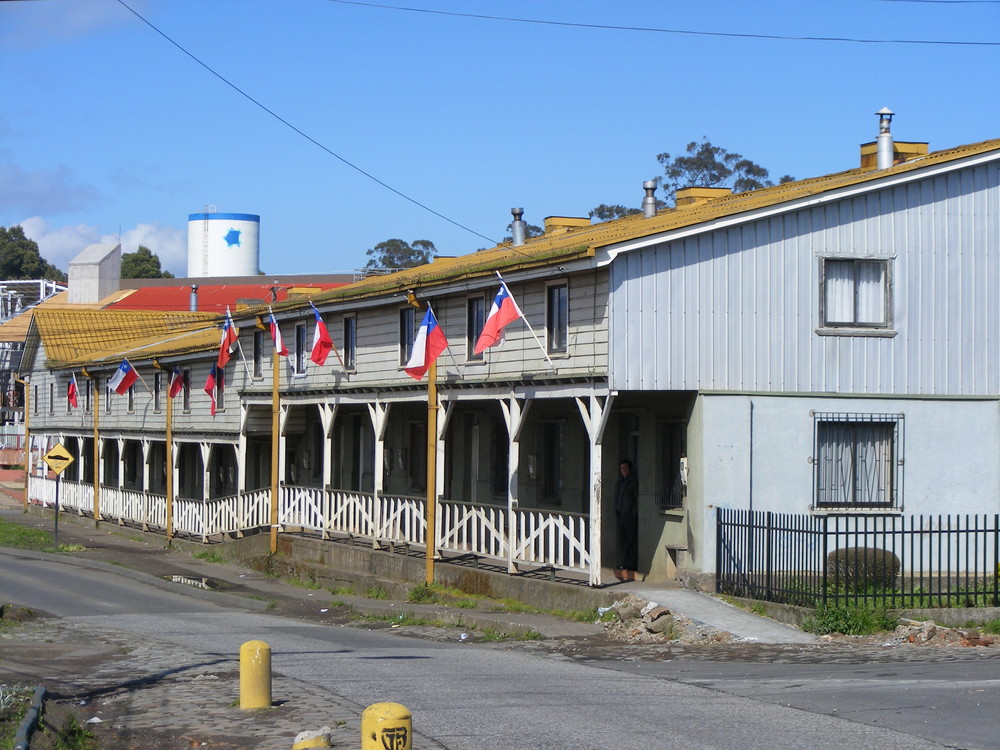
x=212, y=298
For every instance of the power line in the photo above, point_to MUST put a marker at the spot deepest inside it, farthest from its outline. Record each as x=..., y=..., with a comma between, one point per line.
x=655, y=30
x=308, y=137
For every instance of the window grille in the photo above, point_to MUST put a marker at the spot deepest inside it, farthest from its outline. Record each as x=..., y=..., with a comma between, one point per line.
x=857, y=458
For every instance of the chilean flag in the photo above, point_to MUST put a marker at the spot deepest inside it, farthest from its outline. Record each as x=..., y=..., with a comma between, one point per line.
x=279, y=344
x=72, y=392
x=123, y=379
x=176, y=383
x=230, y=337
x=503, y=311
x=210, y=387
x=430, y=342
x=322, y=343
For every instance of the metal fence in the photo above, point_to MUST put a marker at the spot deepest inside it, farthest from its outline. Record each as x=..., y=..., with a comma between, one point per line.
x=890, y=561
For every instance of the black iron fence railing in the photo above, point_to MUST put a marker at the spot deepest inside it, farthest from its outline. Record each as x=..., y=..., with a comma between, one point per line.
x=890, y=561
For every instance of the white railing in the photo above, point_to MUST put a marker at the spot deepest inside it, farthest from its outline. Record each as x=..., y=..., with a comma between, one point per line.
x=560, y=540
x=472, y=529
x=400, y=519
x=131, y=505
x=72, y=495
x=224, y=515
x=351, y=513
x=536, y=537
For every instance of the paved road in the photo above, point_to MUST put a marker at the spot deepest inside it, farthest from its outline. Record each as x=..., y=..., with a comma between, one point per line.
x=470, y=697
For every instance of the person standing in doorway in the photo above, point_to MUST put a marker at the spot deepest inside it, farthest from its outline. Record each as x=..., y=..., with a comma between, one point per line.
x=627, y=512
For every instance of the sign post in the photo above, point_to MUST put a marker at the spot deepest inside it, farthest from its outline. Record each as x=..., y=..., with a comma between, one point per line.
x=58, y=458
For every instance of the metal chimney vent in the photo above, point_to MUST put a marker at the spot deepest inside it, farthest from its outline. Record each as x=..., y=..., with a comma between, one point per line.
x=884, y=149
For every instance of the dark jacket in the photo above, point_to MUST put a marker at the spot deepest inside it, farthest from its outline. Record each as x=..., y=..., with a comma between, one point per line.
x=627, y=495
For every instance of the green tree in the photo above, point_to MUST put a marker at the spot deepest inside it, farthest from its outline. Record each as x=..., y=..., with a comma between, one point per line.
x=604, y=212
x=705, y=165
x=143, y=264
x=530, y=230
x=394, y=254
x=20, y=259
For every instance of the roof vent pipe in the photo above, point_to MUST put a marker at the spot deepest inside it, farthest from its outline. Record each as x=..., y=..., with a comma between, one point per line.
x=649, y=200
x=517, y=227
x=884, y=148
x=193, y=304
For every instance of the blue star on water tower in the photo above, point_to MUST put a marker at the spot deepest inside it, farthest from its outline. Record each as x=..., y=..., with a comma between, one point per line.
x=232, y=237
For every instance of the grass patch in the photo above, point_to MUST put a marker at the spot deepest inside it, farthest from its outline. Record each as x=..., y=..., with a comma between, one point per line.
x=376, y=592
x=849, y=621
x=21, y=537
x=304, y=583
x=404, y=618
x=991, y=626
x=14, y=702
x=209, y=556
x=73, y=735
x=342, y=591
x=436, y=594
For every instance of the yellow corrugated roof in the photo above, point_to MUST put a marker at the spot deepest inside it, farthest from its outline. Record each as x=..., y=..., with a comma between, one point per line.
x=582, y=242
x=80, y=337
x=16, y=329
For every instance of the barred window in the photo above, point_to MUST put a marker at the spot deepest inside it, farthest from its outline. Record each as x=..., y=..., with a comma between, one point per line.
x=857, y=459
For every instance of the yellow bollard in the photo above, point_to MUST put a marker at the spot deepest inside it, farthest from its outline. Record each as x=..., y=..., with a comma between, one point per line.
x=306, y=740
x=255, y=675
x=386, y=726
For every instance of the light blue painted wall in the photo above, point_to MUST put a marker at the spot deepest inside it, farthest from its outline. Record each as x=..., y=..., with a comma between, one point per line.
x=738, y=308
x=950, y=456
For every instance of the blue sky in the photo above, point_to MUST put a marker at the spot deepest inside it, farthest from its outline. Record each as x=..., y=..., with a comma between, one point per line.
x=106, y=127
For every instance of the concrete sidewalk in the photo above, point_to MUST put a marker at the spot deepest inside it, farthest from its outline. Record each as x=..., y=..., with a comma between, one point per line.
x=711, y=611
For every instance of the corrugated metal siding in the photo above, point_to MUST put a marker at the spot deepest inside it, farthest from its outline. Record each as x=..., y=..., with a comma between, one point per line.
x=738, y=309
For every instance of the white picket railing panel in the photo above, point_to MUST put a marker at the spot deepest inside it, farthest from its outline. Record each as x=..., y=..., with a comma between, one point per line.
x=557, y=539
x=401, y=519
x=472, y=529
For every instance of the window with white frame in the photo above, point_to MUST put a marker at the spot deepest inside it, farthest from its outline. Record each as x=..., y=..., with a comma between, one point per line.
x=186, y=392
x=220, y=389
x=301, y=348
x=475, y=319
x=407, y=333
x=131, y=398
x=87, y=390
x=350, y=342
x=258, y=354
x=857, y=459
x=157, y=390
x=107, y=395
x=557, y=318
x=52, y=398
x=855, y=293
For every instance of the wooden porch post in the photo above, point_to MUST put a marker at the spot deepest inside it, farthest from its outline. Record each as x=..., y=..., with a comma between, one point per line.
x=275, y=446
x=595, y=419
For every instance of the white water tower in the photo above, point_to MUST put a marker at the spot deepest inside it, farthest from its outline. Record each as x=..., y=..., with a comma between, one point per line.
x=223, y=244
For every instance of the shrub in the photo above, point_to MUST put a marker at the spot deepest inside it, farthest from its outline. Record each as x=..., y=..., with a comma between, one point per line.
x=859, y=568
x=849, y=621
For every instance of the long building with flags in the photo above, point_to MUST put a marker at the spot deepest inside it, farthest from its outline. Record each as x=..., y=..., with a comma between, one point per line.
x=827, y=348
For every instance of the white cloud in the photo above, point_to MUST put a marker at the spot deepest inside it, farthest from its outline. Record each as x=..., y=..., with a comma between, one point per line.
x=36, y=24
x=59, y=245
x=42, y=189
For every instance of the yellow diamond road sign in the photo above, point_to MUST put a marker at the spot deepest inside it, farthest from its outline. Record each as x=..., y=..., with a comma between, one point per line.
x=58, y=458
